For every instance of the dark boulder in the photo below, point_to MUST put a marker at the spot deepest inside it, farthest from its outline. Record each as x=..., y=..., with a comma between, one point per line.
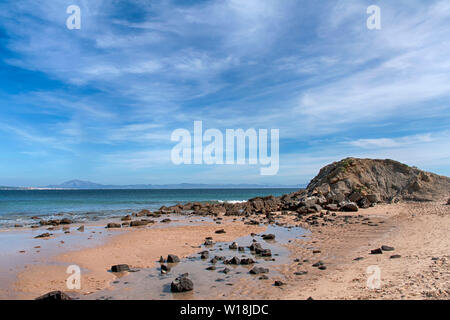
x=247, y=261
x=44, y=235
x=364, y=203
x=376, y=251
x=113, y=225
x=349, y=207
x=171, y=258
x=138, y=223
x=234, y=260
x=54, y=295
x=164, y=269
x=268, y=236
x=65, y=221
x=120, y=268
x=182, y=284
x=259, y=270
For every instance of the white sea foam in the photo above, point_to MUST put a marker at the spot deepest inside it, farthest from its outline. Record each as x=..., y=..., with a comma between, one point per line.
x=231, y=201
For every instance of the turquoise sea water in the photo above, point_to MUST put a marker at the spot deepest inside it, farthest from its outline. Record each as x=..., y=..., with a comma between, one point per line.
x=18, y=206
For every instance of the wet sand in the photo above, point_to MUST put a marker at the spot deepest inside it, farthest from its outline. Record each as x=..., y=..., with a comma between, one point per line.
x=419, y=232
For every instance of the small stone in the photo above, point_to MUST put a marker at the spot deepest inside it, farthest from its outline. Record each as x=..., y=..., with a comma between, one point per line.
x=54, y=295
x=113, y=225
x=387, y=248
x=181, y=284
x=233, y=246
x=259, y=270
x=220, y=231
x=395, y=256
x=43, y=235
x=268, y=236
x=247, y=261
x=278, y=283
x=164, y=269
x=171, y=258
x=234, y=260
x=376, y=251
x=120, y=268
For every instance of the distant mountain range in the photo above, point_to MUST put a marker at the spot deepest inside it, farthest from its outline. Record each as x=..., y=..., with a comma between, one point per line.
x=79, y=184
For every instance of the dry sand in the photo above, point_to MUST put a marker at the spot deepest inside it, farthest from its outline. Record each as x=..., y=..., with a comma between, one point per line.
x=419, y=232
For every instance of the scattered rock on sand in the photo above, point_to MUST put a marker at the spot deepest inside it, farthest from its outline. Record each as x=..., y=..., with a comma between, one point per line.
x=113, y=225
x=395, y=256
x=259, y=270
x=54, y=295
x=138, y=223
x=268, y=236
x=65, y=221
x=234, y=260
x=181, y=284
x=278, y=283
x=233, y=246
x=220, y=231
x=44, y=235
x=171, y=258
x=164, y=269
x=349, y=207
x=387, y=248
x=376, y=251
x=120, y=268
x=247, y=261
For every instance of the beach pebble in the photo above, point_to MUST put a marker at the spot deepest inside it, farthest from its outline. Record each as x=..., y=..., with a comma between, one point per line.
x=54, y=295
x=113, y=225
x=247, y=261
x=220, y=231
x=278, y=283
x=268, y=236
x=376, y=251
x=120, y=268
x=233, y=246
x=259, y=270
x=171, y=258
x=43, y=235
x=234, y=260
x=181, y=284
x=387, y=248
x=395, y=256
x=164, y=269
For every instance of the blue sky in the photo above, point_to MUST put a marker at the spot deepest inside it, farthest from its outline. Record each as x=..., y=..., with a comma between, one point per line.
x=100, y=103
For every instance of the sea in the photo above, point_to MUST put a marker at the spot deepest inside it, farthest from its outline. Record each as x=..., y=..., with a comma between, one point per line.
x=20, y=206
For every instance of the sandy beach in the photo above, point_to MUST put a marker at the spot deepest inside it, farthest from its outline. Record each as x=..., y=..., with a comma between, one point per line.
x=417, y=231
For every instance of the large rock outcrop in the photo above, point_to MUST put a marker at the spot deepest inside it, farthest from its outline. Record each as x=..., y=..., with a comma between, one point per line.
x=378, y=180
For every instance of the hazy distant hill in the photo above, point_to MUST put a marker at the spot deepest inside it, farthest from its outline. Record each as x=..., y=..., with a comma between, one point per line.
x=79, y=184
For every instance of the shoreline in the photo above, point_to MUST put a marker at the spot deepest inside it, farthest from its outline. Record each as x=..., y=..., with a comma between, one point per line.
x=417, y=231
